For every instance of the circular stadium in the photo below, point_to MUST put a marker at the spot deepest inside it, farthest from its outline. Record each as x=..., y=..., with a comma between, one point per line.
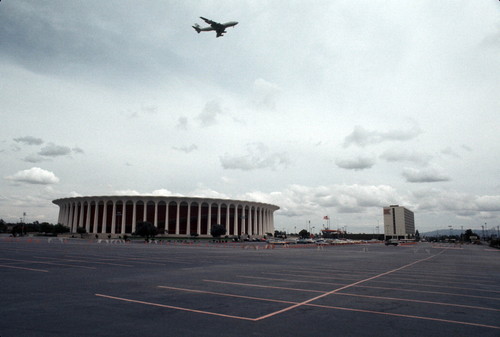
x=175, y=216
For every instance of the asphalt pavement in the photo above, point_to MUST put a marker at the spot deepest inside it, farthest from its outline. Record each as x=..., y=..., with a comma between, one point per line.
x=74, y=287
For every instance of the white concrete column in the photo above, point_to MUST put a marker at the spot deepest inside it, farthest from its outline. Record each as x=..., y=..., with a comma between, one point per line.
x=177, y=218
x=60, y=214
x=145, y=211
x=87, y=220
x=155, y=221
x=70, y=217
x=188, y=220
x=198, y=225
x=209, y=220
x=261, y=221
x=113, y=218
x=227, y=219
x=124, y=216
x=80, y=216
x=96, y=217
x=218, y=213
x=104, y=217
x=236, y=224
x=244, y=229
x=249, y=221
x=166, y=217
x=134, y=215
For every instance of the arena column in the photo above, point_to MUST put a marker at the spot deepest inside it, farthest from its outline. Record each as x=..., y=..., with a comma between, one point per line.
x=250, y=224
x=75, y=218
x=227, y=219
x=209, y=220
x=198, y=224
x=166, y=216
x=113, y=219
x=70, y=216
x=87, y=220
x=188, y=220
x=124, y=216
x=60, y=214
x=244, y=229
x=104, y=216
x=62, y=209
x=261, y=221
x=177, y=218
x=145, y=213
x=218, y=213
x=80, y=220
x=96, y=216
x=134, y=214
x=155, y=222
x=236, y=225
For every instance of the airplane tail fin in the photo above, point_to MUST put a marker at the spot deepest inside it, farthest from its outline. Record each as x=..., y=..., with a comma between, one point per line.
x=197, y=28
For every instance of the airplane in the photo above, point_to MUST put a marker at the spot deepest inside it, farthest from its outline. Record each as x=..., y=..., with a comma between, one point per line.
x=220, y=28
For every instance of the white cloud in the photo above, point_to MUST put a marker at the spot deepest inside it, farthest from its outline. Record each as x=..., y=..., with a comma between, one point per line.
x=182, y=123
x=186, y=149
x=208, y=116
x=53, y=150
x=34, y=175
x=357, y=163
x=265, y=94
x=29, y=140
x=162, y=192
x=34, y=158
x=404, y=155
x=258, y=156
x=429, y=175
x=362, y=137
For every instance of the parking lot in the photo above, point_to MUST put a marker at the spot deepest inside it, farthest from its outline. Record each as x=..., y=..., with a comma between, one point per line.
x=84, y=288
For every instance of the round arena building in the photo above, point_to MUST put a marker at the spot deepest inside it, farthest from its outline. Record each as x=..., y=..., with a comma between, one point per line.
x=175, y=216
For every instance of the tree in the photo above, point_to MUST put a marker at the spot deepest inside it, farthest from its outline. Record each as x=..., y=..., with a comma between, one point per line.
x=467, y=235
x=59, y=229
x=3, y=226
x=304, y=234
x=218, y=230
x=45, y=227
x=146, y=229
x=81, y=231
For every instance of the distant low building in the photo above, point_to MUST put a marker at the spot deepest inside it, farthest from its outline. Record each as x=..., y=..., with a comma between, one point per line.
x=399, y=223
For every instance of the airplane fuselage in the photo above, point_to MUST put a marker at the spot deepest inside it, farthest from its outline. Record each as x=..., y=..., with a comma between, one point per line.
x=219, y=28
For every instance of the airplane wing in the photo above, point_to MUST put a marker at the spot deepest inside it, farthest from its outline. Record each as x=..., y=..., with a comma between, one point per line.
x=210, y=22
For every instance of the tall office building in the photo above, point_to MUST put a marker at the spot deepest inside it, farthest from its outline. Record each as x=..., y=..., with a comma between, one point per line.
x=399, y=223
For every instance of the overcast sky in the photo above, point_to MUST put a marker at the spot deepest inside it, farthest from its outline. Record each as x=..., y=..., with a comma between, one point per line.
x=334, y=108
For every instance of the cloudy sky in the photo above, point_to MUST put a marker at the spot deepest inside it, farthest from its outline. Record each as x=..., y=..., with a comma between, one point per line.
x=328, y=107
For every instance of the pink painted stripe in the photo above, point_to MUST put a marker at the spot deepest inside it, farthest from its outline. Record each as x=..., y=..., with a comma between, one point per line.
x=174, y=307
x=31, y=269
x=344, y=287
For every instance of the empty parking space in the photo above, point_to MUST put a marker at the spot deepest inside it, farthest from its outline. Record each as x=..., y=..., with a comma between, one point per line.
x=215, y=290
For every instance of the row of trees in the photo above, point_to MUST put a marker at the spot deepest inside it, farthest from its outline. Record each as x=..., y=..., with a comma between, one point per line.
x=19, y=229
